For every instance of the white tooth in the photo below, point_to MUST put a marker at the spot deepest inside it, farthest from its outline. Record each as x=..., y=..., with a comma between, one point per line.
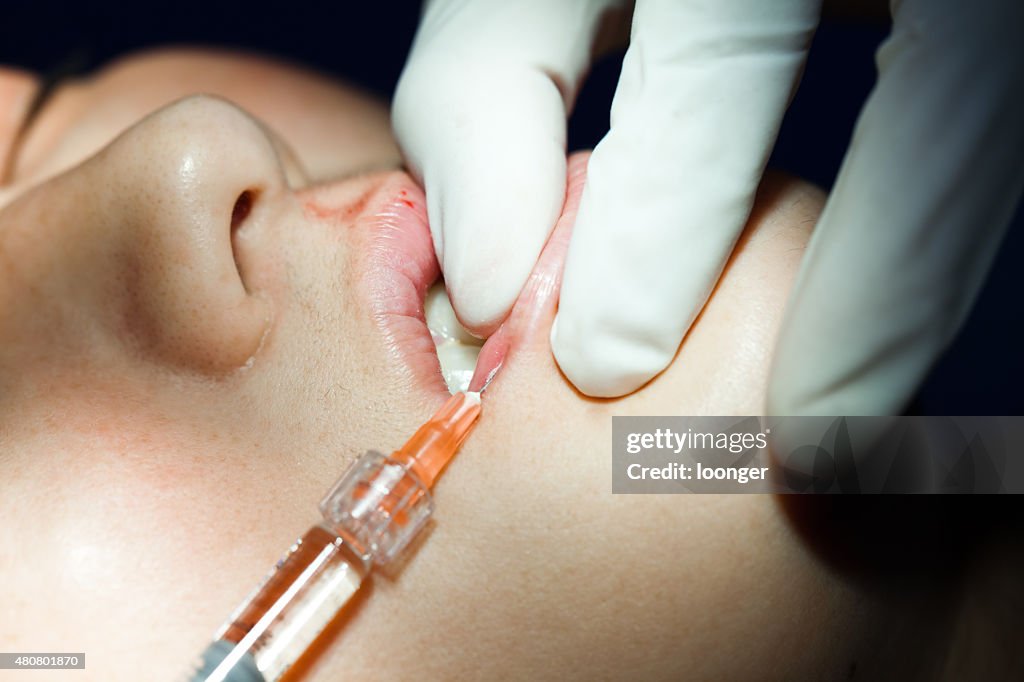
x=441, y=317
x=458, y=361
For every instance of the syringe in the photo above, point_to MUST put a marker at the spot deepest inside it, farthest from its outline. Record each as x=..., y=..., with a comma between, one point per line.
x=369, y=517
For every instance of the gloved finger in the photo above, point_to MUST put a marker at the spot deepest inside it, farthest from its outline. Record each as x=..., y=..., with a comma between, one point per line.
x=926, y=191
x=480, y=114
x=698, y=105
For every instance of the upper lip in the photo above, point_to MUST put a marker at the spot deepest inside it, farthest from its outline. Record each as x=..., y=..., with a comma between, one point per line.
x=398, y=268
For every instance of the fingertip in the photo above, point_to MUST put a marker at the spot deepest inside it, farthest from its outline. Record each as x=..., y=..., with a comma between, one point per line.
x=481, y=297
x=483, y=280
x=603, y=365
x=494, y=228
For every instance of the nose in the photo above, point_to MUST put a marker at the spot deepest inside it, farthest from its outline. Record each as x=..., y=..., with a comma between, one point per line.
x=148, y=230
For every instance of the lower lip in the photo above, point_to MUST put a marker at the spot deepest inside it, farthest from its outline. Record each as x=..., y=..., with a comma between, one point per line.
x=491, y=357
x=530, y=316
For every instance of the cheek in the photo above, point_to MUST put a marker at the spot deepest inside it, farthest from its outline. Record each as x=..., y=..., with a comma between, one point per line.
x=723, y=364
x=142, y=502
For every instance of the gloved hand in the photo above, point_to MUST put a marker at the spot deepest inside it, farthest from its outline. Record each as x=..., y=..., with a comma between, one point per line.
x=927, y=188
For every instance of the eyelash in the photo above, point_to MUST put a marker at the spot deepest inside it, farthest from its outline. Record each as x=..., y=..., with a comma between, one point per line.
x=39, y=102
x=75, y=63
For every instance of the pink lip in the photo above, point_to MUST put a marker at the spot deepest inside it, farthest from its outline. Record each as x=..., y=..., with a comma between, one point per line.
x=528, y=324
x=400, y=266
x=397, y=265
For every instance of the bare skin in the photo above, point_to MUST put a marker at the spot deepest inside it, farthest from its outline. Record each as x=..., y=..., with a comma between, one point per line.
x=176, y=394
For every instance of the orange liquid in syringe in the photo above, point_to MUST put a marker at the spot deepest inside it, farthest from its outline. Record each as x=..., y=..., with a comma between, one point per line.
x=317, y=576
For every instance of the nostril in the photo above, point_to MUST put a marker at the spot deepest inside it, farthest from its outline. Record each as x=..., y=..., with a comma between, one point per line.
x=242, y=209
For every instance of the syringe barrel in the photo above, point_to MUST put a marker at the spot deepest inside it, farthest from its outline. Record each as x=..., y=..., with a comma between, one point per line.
x=290, y=608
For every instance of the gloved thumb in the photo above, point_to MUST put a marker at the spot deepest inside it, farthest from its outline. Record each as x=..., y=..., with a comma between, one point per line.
x=480, y=115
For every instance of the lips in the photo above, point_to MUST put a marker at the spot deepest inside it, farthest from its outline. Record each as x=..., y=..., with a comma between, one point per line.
x=528, y=325
x=401, y=266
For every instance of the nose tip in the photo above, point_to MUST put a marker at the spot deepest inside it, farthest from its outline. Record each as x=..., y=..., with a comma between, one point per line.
x=173, y=184
x=196, y=156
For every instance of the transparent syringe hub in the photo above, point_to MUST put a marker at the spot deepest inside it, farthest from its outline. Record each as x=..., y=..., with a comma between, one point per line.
x=379, y=505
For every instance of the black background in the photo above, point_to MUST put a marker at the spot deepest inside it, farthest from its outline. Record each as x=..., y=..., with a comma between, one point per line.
x=367, y=43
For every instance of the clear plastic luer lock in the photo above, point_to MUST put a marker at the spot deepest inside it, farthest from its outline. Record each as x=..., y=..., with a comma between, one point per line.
x=379, y=505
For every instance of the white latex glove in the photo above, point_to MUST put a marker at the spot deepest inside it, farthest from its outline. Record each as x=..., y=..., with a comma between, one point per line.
x=703, y=88
x=480, y=115
x=924, y=196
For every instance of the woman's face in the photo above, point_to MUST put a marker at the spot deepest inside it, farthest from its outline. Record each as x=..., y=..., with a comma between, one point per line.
x=205, y=316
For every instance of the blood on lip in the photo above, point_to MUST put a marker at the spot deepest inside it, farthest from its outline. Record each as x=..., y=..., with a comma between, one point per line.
x=406, y=201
